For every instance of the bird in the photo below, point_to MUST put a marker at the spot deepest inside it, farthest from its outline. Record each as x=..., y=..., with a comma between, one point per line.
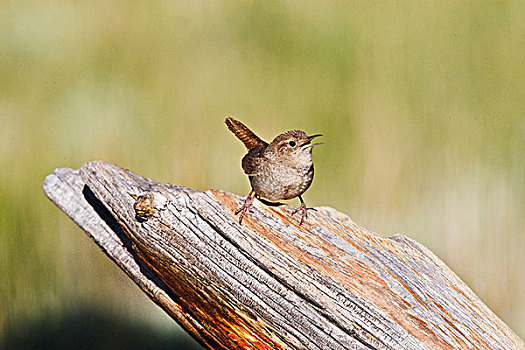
x=280, y=170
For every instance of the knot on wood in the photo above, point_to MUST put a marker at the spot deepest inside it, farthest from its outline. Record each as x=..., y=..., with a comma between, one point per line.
x=144, y=206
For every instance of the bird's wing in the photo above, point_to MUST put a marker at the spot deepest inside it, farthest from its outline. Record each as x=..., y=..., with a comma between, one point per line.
x=251, y=162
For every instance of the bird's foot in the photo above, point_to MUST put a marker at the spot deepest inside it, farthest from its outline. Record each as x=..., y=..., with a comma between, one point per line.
x=247, y=203
x=304, y=214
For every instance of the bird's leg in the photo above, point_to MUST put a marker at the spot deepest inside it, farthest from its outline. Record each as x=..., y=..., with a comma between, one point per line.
x=302, y=208
x=242, y=210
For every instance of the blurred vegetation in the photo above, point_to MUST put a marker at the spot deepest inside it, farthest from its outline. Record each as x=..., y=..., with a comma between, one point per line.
x=422, y=106
x=91, y=329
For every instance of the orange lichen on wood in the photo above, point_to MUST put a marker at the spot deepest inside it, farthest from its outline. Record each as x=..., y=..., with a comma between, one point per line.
x=357, y=276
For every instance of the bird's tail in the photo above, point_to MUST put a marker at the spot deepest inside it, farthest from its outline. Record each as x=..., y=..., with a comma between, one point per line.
x=244, y=134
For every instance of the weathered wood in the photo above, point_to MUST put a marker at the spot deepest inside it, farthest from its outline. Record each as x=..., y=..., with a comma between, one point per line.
x=269, y=284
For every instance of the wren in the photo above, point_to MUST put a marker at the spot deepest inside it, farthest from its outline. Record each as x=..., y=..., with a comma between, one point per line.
x=280, y=170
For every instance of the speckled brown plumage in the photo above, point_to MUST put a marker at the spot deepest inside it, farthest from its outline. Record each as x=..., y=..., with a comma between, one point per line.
x=280, y=170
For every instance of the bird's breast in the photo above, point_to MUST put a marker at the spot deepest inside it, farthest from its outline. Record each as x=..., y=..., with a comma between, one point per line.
x=277, y=181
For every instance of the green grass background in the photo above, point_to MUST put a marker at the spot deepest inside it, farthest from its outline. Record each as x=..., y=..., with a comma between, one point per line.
x=422, y=105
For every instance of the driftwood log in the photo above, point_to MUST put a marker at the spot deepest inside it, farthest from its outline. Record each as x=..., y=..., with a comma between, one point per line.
x=269, y=284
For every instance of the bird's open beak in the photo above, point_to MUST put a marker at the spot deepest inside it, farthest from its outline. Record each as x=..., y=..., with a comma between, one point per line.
x=310, y=138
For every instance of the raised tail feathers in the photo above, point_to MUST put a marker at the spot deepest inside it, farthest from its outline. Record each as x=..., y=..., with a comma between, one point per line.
x=244, y=134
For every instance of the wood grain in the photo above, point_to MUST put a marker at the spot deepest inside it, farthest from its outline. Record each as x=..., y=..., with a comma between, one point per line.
x=269, y=284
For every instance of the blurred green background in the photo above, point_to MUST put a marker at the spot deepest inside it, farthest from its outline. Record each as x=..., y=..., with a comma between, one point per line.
x=422, y=105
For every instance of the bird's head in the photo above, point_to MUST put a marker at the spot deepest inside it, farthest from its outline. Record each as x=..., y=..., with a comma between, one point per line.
x=294, y=146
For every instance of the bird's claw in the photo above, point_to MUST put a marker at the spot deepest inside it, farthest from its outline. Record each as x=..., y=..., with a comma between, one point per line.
x=246, y=205
x=304, y=214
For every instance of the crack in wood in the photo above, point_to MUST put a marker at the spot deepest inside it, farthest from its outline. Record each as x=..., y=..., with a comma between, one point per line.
x=104, y=213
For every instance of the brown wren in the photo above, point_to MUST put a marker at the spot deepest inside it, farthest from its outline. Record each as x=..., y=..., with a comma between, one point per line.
x=280, y=170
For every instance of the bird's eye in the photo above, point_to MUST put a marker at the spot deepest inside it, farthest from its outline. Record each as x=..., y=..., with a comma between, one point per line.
x=292, y=143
